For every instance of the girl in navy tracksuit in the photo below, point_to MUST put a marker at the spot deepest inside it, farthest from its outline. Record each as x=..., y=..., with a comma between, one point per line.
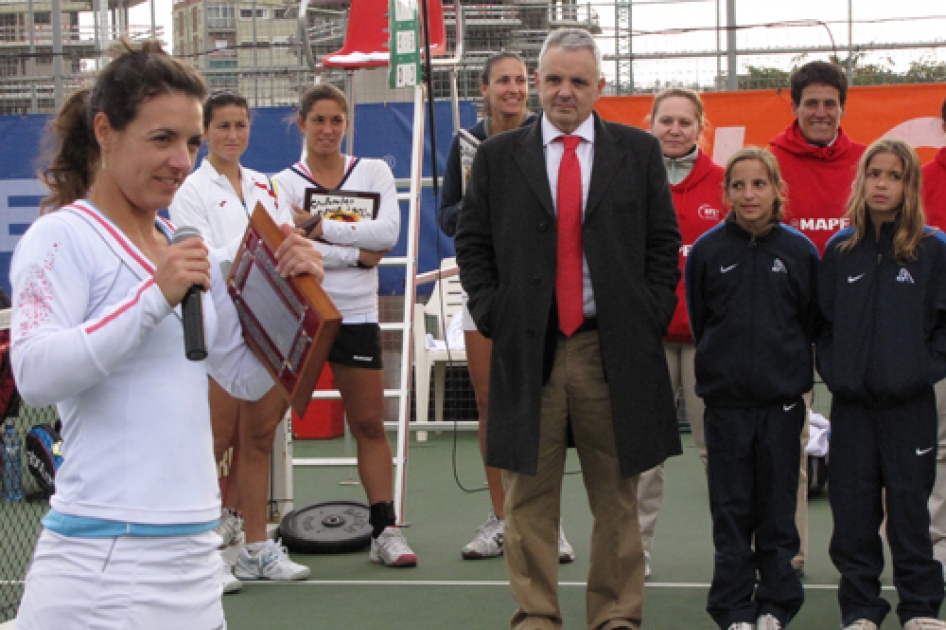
x=751, y=292
x=882, y=288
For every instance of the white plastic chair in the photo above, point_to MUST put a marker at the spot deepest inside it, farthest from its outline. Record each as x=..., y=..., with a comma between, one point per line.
x=445, y=300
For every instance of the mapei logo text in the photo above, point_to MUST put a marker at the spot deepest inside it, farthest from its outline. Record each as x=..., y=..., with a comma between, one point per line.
x=709, y=213
x=821, y=225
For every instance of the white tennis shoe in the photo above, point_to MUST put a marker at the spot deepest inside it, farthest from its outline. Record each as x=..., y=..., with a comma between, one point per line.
x=391, y=549
x=488, y=542
x=269, y=563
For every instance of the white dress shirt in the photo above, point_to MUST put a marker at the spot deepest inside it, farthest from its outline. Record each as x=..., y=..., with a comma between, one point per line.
x=553, y=157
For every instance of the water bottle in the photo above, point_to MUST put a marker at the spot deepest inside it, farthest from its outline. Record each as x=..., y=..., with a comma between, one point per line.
x=12, y=468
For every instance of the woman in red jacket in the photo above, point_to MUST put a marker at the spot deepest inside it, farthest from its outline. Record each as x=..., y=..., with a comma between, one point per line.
x=696, y=183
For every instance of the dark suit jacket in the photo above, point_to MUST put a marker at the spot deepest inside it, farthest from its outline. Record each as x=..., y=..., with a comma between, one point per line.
x=506, y=249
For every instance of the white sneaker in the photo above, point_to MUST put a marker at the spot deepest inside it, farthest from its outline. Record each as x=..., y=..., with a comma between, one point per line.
x=565, y=552
x=269, y=563
x=230, y=528
x=862, y=624
x=768, y=622
x=488, y=542
x=646, y=564
x=742, y=625
x=391, y=549
x=225, y=576
x=925, y=623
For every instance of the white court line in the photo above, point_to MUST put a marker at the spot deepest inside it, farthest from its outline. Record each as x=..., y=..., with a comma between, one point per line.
x=680, y=585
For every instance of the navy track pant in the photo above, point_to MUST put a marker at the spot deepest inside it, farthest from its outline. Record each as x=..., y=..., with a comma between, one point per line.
x=753, y=483
x=884, y=458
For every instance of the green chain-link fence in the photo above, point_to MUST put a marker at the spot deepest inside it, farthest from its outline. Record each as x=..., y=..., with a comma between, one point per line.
x=20, y=520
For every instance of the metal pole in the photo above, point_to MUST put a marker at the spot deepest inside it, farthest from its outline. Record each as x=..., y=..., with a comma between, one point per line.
x=255, y=61
x=31, y=62
x=719, y=49
x=617, y=46
x=57, y=52
x=630, y=47
x=204, y=54
x=350, y=136
x=153, y=36
x=850, y=42
x=732, y=79
x=96, y=33
x=103, y=33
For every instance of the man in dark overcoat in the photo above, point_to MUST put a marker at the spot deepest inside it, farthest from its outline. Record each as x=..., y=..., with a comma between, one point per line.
x=601, y=381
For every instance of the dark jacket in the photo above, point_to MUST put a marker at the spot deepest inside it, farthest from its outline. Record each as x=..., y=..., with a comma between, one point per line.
x=506, y=249
x=451, y=199
x=885, y=339
x=752, y=303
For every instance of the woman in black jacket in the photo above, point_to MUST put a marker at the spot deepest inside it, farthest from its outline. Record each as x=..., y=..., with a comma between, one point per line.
x=882, y=289
x=751, y=294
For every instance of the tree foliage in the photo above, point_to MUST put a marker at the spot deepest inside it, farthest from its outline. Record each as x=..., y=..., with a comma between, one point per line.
x=879, y=71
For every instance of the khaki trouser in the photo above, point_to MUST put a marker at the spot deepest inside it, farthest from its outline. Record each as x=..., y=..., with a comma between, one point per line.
x=650, y=488
x=938, y=498
x=615, y=592
x=801, y=508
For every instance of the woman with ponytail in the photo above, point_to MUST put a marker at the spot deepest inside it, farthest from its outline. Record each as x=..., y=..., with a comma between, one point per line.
x=97, y=286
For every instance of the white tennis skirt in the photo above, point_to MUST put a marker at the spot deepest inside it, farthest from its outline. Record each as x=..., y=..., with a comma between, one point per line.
x=127, y=583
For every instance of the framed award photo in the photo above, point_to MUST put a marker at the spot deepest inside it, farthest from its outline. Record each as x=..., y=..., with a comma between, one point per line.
x=289, y=323
x=468, y=144
x=342, y=205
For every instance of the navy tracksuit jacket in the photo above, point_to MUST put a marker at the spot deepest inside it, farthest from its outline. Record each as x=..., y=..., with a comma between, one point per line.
x=752, y=303
x=881, y=352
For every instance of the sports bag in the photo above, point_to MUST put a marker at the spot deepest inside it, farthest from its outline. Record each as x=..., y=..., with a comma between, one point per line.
x=44, y=454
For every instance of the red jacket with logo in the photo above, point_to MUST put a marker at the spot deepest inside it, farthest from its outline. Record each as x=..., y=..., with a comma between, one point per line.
x=698, y=200
x=819, y=182
x=934, y=191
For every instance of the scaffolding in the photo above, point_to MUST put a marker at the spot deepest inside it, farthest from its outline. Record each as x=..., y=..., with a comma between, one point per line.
x=43, y=57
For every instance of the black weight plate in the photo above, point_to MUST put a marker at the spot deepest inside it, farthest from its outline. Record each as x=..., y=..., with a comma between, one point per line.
x=329, y=527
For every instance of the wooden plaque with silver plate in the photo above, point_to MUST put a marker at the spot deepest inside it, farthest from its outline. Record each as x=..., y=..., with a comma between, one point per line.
x=290, y=323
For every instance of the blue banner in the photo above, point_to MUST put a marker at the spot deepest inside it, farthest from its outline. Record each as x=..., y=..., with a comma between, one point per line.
x=382, y=130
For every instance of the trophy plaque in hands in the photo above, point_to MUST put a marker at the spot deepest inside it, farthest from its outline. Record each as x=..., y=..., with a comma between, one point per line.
x=290, y=323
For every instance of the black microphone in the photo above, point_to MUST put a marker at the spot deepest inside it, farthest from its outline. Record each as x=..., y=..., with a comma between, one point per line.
x=192, y=312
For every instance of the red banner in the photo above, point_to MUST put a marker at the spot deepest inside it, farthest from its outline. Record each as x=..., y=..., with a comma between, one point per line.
x=912, y=113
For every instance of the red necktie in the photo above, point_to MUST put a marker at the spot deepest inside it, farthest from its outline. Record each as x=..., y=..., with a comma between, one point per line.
x=568, y=279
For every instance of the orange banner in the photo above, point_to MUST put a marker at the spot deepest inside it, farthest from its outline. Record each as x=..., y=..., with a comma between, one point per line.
x=753, y=117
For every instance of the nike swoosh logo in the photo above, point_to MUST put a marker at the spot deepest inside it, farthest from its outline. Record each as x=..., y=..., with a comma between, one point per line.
x=728, y=269
x=789, y=407
x=854, y=278
x=922, y=452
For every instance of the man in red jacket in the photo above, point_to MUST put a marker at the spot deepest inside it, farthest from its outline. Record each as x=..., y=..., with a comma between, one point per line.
x=934, y=205
x=818, y=162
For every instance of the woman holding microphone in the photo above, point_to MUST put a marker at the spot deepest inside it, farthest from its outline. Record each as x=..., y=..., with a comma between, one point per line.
x=97, y=286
